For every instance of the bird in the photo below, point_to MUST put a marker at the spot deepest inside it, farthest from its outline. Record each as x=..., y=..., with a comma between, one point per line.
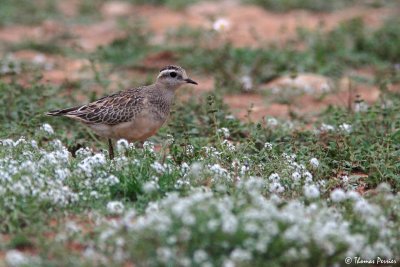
x=133, y=114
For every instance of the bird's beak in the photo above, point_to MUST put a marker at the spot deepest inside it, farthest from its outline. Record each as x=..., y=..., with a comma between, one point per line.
x=190, y=81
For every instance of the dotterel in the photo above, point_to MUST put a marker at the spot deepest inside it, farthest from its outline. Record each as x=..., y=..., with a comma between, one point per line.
x=134, y=114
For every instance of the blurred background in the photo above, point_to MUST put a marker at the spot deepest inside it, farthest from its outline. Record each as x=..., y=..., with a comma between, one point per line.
x=285, y=59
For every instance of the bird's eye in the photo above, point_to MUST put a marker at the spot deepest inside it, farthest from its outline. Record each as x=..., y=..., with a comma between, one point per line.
x=173, y=74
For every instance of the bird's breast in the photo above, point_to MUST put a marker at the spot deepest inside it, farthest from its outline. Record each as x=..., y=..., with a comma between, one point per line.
x=139, y=129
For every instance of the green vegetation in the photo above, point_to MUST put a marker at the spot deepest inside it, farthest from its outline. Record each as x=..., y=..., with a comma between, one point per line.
x=313, y=5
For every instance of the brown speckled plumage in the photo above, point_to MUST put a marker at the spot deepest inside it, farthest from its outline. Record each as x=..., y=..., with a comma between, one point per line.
x=133, y=114
x=110, y=110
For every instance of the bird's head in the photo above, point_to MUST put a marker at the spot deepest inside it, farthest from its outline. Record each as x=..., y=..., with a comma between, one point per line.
x=173, y=77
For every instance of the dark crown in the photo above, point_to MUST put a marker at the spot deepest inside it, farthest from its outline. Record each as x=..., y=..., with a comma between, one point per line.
x=170, y=67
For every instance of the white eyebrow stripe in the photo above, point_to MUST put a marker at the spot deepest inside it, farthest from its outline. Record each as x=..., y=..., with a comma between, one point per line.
x=168, y=71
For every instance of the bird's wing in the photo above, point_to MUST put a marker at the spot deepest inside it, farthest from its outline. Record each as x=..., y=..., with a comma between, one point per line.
x=110, y=110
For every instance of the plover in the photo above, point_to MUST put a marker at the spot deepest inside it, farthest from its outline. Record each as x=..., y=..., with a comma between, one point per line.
x=134, y=114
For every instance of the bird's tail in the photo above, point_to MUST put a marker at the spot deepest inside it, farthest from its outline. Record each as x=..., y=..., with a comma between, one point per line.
x=61, y=112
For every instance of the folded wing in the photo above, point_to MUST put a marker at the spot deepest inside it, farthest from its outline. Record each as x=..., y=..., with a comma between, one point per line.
x=110, y=110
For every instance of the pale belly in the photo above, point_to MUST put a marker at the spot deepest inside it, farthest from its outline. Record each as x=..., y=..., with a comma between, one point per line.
x=137, y=130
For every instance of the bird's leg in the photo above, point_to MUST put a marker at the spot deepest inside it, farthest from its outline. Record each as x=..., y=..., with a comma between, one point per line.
x=110, y=149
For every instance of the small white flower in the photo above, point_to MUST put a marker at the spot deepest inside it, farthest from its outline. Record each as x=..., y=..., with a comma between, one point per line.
x=7, y=142
x=296, y=176
x=363, y=207
x=311, y=191
x=325, y=87
x=148, y=146
x=39, y=59
x=244, y=169
x=241, y=255
x=314, y=163
x=224, y=131
x=347, y=128
x=196, y=168
x=268, y=146
x=345, y=179
x=158, y=167
x=47, y=129
x=228, y=263
x=272, y=122
x=326, y=128
x=199, y=256
x=16, y=258
x=150, y=186
x=308, y=177
x=384, y=187
x=338, y=195
x=115, y=207
x=221, y=25
x=353, y=195
x=164, y=254
x=276, y=187
x=361, y=107
x=246, y=82
x=216, y=168
x=122, y=146
x=274, y=177
x=229, y=224
x=229, y=145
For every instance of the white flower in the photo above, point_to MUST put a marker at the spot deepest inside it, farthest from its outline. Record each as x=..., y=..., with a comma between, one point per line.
x=363, y=207
x=345, y=179
x=384, y=187
x=196, y=168
x=308, y=177
x=246, y=82
x=169, y=140
x=122, y=146
x=272, y=122
x=47, y=129
x=199, y=256
x=338, y=195
x=228, y=145
x=311, y=191
x=224, y=131
x=148, y=146
x=314, y=163
x=276, y=187
x=115, y=207
x=62, y=174
x=216, y=168
x=274, y=177
x=83, y=152
x=296, y=176
x=150, y=186
x=241, y=255
x=7, y=142
x=158, y=167
x=347, y=128
x=244, y=169
x=164, y=254
x=268, y=146
x=326, y=128
x=16, y=258
x=361, y=107
x=221, y=25
x=229, y=224
x=228, y=263
x=353, y=195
